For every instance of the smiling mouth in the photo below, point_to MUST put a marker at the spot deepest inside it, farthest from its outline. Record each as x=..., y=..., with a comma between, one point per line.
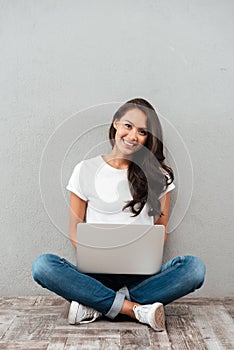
x=130, y=144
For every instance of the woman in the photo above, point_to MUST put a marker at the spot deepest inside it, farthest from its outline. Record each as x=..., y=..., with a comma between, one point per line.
x=131, y=184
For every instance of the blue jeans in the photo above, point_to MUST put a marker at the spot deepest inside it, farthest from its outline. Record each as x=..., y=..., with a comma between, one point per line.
x=106, y=292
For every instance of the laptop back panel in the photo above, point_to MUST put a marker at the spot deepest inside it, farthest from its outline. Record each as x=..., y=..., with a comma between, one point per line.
x=120, y=249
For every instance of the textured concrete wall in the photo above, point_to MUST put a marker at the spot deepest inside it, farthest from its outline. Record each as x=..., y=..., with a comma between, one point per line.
x=61, y=57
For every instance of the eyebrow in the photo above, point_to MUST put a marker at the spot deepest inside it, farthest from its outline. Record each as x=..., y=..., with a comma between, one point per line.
x=142, y=128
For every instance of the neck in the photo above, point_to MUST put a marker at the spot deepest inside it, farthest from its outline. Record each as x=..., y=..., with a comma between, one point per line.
x=116, y=160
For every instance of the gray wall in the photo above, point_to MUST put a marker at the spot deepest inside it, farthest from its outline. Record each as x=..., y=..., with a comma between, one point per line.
x=61, y=57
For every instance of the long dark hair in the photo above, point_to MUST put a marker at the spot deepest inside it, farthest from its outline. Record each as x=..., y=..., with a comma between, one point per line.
x=146, y=178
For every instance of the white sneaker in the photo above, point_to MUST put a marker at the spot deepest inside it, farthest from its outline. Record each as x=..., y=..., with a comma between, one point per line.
x=79, y=313
x=152, y=314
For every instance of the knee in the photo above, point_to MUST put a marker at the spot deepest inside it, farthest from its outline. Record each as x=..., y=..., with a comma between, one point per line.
x=42, y=266
x=197, y=271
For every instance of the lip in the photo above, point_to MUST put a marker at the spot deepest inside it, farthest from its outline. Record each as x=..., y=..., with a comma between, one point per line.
x=129, y=145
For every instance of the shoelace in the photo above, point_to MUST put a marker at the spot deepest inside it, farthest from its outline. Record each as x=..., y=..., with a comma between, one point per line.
x=142, y=313
x=88, y=313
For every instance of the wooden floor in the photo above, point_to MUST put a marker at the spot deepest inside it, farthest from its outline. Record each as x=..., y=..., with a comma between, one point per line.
x=41, y=323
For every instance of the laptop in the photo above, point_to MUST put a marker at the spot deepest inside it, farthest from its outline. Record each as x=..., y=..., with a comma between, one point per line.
x=119, y=248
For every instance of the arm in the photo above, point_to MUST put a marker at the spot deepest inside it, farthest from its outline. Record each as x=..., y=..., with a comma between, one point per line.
x=77, y=215
x=163, y=220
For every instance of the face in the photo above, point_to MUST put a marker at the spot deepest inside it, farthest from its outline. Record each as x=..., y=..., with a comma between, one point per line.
x=131, y=132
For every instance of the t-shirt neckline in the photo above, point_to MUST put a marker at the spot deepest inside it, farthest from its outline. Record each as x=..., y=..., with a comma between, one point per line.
x=110, y=166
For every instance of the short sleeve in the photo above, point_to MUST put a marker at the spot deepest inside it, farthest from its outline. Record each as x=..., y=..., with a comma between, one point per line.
x=75, y=182
x=170, y=187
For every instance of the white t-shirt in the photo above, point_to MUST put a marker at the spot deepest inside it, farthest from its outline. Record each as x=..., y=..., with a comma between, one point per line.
x=106, y=191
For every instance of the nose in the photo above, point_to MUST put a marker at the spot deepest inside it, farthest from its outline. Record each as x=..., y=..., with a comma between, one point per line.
x=132, y=134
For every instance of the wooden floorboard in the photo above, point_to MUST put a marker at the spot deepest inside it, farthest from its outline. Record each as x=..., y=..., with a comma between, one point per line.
x=40, y=323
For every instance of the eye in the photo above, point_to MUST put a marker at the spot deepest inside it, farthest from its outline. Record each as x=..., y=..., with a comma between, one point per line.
x=143, y=132
x=127, y=125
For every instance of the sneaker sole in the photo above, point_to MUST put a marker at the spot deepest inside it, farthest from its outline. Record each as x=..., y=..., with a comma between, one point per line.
x=72, y=314
x=159, y=318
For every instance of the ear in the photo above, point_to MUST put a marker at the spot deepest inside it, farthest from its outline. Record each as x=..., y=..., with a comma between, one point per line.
x=115, y=124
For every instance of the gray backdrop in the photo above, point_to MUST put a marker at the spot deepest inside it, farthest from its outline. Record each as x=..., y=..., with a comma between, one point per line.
x=63, y=57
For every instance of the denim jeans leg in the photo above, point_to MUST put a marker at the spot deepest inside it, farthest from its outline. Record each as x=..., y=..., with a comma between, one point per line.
x=178, y=277
x=61, y=277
